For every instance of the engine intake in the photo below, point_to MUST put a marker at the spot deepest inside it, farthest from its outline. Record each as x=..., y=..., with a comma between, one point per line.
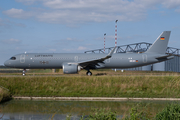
x=70, y=68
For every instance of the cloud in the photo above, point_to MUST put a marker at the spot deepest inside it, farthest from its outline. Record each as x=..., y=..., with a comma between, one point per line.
x=67, y=40
x=18, y=13
x=171, y=4
x=11, y=41
x=80, y=11
x=178, y=10
x=8, y=24
x=52, y=50
x=72, y=12
x=82, y=48
x=1, y=22
x=73, y=39
x=28, y=2
x=93, y=10
x=68, y=50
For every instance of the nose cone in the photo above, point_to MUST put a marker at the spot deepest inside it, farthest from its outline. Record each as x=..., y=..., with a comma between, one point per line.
x=7, y=63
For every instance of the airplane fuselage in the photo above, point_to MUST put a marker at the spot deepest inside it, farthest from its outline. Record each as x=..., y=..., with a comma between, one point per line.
x=56, y=60
x=73, y=62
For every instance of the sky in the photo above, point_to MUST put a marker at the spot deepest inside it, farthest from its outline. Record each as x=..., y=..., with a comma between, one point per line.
x=75, y=26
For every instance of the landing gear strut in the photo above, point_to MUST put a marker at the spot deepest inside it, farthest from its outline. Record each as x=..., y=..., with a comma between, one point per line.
x=89, y=73
x=24, y=72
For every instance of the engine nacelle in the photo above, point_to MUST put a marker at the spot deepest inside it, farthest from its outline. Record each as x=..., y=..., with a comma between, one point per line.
x=70, y=68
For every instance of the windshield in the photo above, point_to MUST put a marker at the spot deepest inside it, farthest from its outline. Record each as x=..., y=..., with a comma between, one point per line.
x=13, y=58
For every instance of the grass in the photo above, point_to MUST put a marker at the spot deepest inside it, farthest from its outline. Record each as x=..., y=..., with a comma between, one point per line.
x=95, y=86
x=98, y=72
x=4, y=94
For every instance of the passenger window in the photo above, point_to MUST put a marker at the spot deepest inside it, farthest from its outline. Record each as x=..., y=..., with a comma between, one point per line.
x=13, y=58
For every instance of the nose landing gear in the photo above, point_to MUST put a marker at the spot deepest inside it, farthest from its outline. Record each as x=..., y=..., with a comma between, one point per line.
x=24, y=72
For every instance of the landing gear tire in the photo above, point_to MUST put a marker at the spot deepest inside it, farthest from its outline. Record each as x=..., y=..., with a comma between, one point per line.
x=89, y=73
x=24, y=72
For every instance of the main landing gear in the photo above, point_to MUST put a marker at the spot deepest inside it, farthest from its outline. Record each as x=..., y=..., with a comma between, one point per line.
x=89, y=73
x=24, y=72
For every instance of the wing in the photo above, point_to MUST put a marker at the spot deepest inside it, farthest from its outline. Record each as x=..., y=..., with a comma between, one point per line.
x=94, y=62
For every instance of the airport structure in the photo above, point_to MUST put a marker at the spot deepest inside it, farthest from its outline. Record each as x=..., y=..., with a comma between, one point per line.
x=169, y=65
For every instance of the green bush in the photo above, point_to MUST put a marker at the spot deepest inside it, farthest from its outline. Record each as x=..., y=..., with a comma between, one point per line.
x=171, y=112
x=98, y=114
x=139, y=112
x=102, y=114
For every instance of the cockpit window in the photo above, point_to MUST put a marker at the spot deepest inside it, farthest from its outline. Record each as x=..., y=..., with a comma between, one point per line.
x=13, y=58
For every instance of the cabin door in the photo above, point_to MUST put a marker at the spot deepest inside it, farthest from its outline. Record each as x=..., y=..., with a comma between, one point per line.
x=22, y=59
x=144, y=56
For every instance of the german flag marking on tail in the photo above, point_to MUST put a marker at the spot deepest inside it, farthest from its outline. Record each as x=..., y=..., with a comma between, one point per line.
x=162, y=38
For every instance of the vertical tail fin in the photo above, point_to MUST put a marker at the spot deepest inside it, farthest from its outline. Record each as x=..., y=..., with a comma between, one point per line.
x=160, y=45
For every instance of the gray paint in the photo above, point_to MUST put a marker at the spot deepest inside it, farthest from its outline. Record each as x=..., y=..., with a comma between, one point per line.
x=71, y=61
x=169, y=65
x=116, y=61
x=161, y=43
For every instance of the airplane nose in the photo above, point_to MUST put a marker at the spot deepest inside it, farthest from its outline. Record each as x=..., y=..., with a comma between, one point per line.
x=7, y=63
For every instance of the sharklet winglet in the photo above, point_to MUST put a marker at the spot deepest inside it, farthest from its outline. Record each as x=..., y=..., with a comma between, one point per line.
x=111, y=53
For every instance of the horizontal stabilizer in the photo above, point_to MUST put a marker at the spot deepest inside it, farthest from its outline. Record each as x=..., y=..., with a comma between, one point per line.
x=165, y=57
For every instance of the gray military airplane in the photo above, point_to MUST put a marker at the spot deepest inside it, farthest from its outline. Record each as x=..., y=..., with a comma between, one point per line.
x=72, y=63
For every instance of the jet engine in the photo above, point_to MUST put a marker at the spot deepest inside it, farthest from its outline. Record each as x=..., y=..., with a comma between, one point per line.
x=69, y=68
